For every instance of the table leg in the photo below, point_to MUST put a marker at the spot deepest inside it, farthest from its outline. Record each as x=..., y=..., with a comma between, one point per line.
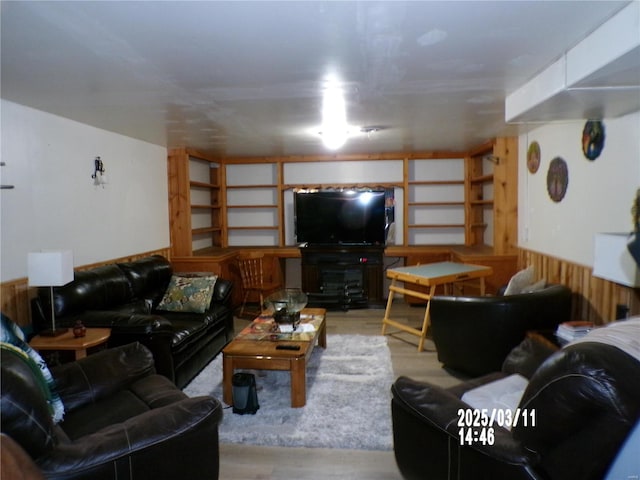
x=426, y=321
x=322, y=336
x=298, y=382
x=482, y=286
x=227, y=375
x=388, y=309
x=80, y=353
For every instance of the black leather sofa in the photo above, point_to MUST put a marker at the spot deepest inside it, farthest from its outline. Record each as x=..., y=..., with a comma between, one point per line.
x=121, y=421
x=585, y=398
x=474, y=334
x=124, y=297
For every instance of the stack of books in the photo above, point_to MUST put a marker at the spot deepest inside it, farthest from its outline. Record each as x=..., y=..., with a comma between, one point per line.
x=569, y=331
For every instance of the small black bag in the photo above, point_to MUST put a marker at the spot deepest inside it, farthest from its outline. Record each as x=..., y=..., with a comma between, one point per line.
x=245, y=395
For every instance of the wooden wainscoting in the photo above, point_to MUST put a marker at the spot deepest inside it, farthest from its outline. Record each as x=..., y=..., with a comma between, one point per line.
x=595, y=299
x=16, y=295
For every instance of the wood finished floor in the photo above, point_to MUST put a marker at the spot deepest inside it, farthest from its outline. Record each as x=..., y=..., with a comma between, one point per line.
x=246, y=462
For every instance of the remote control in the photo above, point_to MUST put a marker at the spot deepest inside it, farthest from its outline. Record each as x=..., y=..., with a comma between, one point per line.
x=287, y=347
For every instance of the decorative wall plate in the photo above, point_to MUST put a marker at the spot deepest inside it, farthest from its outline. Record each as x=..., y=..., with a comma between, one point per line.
x=593, y=139
x=557, y=179
x=533, y=157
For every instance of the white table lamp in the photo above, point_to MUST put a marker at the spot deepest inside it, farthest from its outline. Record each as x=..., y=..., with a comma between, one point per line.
x=50, y=268
x=612, y=260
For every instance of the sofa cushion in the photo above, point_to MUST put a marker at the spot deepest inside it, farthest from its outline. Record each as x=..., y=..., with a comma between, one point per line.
x=148, y=276
x=100, y=288
x=188, y=293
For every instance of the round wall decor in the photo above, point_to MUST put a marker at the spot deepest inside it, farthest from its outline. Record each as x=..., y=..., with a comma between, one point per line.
x=533, y=157
x=593, y=139
x=557, y=179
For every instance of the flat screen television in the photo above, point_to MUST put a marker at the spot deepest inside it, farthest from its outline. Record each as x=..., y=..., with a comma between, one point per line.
x=347, y=217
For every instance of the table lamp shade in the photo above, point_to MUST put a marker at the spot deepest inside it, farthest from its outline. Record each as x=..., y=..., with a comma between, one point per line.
x=612, y=260
x=51, y=268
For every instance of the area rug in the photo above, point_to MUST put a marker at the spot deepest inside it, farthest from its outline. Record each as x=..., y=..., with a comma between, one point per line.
x=348, y=399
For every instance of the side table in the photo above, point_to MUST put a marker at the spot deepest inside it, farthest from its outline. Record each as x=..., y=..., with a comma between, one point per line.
x=66, y=341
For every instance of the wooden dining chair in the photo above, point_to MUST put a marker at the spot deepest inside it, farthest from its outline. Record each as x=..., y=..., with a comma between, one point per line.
x=255, y=278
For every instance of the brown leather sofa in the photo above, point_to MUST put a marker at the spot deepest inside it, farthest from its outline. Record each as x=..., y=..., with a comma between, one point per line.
x=121, y=421
x=125, y=297
x=473, y=335
x=585, y=398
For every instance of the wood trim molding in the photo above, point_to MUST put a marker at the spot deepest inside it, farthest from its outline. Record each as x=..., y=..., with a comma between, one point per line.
x=594, y=299
x=16, y=295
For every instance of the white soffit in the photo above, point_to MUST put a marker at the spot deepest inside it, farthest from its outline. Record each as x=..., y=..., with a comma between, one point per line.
x=599, y=77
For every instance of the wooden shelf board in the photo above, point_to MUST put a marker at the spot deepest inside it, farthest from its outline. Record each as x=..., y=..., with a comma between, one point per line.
x=483, y=178
x=212, y=207
x=200, y=231
x=203, y=184
x=252, y=206
x=437, y=225
x=269, y=185
x=436, y=182
x=435, y=204
x=253, y=228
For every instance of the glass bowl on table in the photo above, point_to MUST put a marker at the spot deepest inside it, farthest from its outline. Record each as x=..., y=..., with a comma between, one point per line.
x=286, y=305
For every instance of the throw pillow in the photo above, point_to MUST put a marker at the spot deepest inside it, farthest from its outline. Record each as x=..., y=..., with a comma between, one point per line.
x=188, y=293
x=526, y=357
x=519, y=281
x=503, y=394
x=12, y=337
x=534, y=287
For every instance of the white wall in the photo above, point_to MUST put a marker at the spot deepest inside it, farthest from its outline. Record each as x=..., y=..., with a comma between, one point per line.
x=55, y=204
x=599, y=195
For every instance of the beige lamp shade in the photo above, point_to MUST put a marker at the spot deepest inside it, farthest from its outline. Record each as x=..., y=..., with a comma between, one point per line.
x=50, y=268
x=612, y=260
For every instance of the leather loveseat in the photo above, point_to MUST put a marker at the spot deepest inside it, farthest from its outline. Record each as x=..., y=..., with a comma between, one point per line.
x=580, y=405
x=121, y=420
x=474, y=334
x=125, y=297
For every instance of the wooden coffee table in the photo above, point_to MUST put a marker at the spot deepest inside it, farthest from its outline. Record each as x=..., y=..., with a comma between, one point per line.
x=66, y=341
x=256, y=348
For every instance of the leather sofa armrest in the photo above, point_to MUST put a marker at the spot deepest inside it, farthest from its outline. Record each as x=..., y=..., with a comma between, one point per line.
x=149, y=443
x=439, y=409
x=99, y=375
x=222, y=291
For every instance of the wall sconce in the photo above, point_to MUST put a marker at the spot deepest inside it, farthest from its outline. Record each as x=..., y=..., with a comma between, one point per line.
x=99, y=177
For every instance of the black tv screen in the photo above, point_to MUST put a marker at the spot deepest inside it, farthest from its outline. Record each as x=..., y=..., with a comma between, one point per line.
x=328, y=217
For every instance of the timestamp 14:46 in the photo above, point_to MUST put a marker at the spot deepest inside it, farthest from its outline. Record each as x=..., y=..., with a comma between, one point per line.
x=481, y=435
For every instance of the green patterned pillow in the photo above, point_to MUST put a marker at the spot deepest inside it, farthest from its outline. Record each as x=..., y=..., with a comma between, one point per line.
x=188, y=293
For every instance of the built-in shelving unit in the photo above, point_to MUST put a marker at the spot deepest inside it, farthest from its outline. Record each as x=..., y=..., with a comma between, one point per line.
x=196, y=201
x=434, y=212
x=441, y=198
x=254, y=207
x=491, y=185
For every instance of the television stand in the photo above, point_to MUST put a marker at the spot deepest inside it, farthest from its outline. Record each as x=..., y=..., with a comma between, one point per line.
x=343, y=276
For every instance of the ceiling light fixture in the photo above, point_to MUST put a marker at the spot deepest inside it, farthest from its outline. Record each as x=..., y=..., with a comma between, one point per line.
x=334, y=117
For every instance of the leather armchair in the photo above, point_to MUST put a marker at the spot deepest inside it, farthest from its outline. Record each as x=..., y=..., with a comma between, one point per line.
x=121, y=419
x=473, y=335
x=586, y=400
